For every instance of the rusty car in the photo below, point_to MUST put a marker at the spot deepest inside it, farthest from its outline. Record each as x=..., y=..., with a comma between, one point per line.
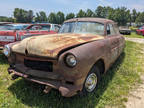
x=71, y=61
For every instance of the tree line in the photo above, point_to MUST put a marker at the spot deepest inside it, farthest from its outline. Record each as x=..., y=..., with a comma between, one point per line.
x=121, y=15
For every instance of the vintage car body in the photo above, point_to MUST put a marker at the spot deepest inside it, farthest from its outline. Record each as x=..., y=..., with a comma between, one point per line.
x=21, y=31
x=124, y=30
x=65, y=61
x=140, y=31
x=2, y=23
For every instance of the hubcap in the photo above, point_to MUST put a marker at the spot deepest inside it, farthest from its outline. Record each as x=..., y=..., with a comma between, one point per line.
x=91, y=82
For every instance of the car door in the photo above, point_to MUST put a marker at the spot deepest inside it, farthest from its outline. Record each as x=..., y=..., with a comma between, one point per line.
x=113, y=40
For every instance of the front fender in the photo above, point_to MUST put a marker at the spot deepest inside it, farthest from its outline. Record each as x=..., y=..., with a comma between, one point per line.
x=87, y=55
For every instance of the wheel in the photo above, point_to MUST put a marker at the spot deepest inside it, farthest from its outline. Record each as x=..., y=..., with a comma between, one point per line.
x=91, y=82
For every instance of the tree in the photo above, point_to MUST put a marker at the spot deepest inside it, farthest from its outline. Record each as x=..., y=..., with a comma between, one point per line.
x=89, y=13
x=6, y=19
x=81, y=13
x=23, y=16
x=134, y=15
x=52, y=18
x=41, y=17
x=101, y=12
x=60, y=18
x=121, y=16
x=70, y=15
x=30, y=16
x=140, y=18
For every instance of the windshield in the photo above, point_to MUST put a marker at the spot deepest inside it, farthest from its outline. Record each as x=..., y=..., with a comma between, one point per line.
x=82, y=27
x=14, y=27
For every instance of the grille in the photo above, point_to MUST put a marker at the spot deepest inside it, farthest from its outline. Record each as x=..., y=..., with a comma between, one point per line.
x=39, y=65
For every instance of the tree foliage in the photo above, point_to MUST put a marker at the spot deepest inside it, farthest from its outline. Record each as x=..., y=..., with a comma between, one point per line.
x=140, y=18
x=6, y=19
x=41, y=17
x=60, y=17
x=70, y=16
x=23, y=16
x=89, y=13
x=52, y=18
x=120, y=15
x=81, y=13
x=101, y=12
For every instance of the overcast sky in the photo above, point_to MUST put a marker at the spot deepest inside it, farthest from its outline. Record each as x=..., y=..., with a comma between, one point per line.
x=66, y=6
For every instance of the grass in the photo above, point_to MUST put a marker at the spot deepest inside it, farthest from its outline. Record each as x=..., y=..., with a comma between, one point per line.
x=134, y=35
x=112, y=92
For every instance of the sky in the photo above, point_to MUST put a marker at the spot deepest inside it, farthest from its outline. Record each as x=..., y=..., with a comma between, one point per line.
x=66, y=6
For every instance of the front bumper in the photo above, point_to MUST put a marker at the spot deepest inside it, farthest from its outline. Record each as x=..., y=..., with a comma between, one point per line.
x=66, y=90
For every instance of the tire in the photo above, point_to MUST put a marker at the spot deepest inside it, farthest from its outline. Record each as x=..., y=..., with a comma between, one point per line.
x=94, y=72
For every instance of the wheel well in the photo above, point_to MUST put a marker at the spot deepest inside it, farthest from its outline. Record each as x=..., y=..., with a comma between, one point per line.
x=101, y=65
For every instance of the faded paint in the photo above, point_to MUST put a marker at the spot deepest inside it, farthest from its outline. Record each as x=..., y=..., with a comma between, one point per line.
x=51, y=45
x=87, y=48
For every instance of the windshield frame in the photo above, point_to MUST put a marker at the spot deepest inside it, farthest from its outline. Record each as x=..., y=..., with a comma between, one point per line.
x=76, y=22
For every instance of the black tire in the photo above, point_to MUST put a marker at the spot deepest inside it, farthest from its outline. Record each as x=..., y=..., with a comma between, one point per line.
x=129, y=33
x=95, y=70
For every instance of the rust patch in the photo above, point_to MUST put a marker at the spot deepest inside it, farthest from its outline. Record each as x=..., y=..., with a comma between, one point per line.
x=51, y=45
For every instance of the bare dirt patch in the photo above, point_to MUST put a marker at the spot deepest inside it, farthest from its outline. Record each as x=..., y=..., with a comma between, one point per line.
x=138, y=40
x=136, y=96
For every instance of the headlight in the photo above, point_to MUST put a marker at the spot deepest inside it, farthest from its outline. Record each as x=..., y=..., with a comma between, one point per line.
x=6, y=50
x=70, y=60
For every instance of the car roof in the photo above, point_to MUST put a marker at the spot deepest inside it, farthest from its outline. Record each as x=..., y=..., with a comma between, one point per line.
x=100, y=20
x=17, y=24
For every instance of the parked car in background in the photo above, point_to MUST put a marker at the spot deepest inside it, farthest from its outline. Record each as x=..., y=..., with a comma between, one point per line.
x=15, y=32
x=71, y=61
x=14, y=27
x=124, y=30
x=2, y=23
x=140, y=31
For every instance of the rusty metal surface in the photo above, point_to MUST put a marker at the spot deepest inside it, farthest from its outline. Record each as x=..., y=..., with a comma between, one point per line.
x=65, y=89
x=100, y=20
x=87, y=49
x=38, y=45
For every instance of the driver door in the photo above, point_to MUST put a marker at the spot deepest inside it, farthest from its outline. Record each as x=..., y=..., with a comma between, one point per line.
x=113, y=42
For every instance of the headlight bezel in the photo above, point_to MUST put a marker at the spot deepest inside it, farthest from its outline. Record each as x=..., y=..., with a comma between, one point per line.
x=67, y=62
x=6, y=50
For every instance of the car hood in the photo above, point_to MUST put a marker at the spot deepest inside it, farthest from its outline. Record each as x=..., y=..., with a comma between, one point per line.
x=51, y=45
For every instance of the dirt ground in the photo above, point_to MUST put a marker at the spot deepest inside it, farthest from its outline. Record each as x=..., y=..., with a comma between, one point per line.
x=136, y=96
x=139, y=40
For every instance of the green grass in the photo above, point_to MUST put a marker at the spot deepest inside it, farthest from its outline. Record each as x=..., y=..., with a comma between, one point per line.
x=113, y=90
x=134, y=35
